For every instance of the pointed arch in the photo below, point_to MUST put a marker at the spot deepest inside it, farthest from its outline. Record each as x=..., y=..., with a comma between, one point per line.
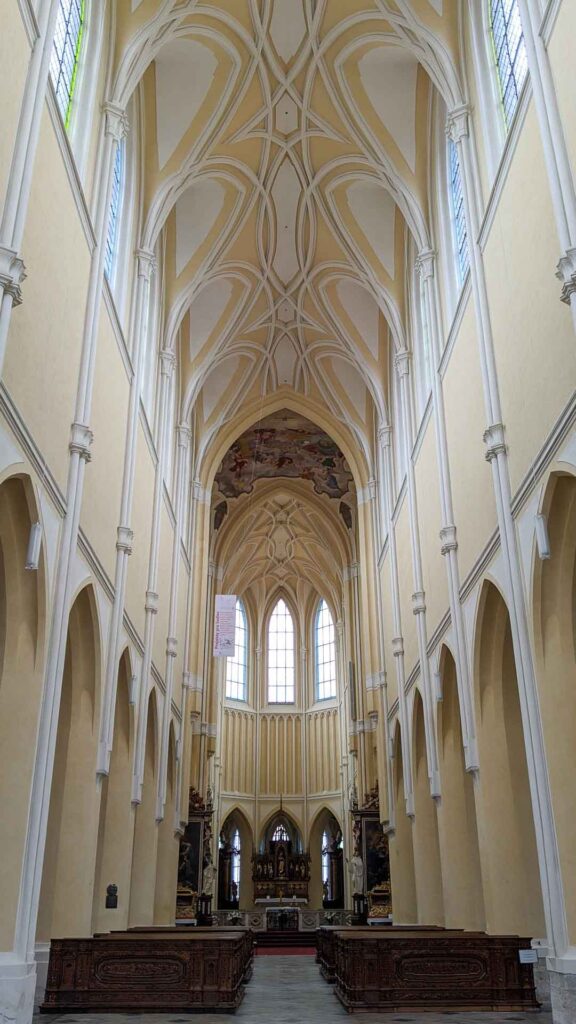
x=236, y=682
x=324, y=652
x=280, y=654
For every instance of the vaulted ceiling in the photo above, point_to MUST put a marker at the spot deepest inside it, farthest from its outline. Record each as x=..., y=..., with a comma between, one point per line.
x=286, y=161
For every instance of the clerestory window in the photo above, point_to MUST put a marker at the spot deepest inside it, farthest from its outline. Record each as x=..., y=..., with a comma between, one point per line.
x=510, y=53
x=237, y=666
x=281, y=655
x=325, y=653
x=66, y=53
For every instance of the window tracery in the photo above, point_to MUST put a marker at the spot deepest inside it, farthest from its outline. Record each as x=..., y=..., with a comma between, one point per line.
x=110, y=256
x=458, y=213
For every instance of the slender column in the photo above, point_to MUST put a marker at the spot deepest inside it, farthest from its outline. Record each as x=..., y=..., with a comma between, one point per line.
x=384, y=436
x=402, y=361
x=184, y=435
x=20, y=176
x=208, y=617
x=385, y=785
x=145, y=262
x=425, y=265
x=497, y=455
x=167, y=361
x=351, y=574
x=554, y=144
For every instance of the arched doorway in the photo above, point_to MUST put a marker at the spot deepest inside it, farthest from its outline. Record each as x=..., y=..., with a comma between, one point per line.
x=21, y=629
x=430, y=899
x=116, y=828
x=143, y=881
x=326, y=862
x=66, y=897
x=402, y=875
x=235, y=863
x=457, y=829
x=555, y=643
x=512, y=893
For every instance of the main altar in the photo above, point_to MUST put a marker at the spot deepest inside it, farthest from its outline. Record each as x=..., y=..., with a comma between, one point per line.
x=280, y=872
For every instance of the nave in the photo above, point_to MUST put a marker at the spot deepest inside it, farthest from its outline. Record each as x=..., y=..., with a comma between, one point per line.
x=289, y=990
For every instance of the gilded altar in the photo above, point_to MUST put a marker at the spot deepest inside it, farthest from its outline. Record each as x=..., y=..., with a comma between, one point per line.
x=280, y=873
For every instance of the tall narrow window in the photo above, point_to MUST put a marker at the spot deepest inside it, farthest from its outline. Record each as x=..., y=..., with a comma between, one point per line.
x=510, y=53
x=458, y=213
x=235, y=866
x=65, y=53
x=281, y=655
x=237, y=666
x=326, y=894
x=325, y=653
x=115, y=210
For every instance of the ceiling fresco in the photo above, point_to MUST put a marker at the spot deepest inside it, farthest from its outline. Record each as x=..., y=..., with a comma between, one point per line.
x=284, y=445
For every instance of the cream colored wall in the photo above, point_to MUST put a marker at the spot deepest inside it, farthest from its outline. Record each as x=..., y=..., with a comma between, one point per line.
x=429, y=515
x=561, y=58
x=531, y=329
x=14, y=54
x=404, y=554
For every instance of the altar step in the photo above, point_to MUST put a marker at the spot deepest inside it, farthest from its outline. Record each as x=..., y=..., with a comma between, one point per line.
x=285, y=940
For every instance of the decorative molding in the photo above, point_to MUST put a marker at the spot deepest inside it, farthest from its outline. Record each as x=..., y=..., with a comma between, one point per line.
x=116, y=123
x=125, y=536
x=81, y=438
x=28, y=15
x=12, y=273
x=70, y=167
x=402, y=362
x=448, y=539
x=397, y=646
x=151, y=604
x=171, y=646
x=457, y=123
x=419, y=603
x=351, y=572
x=146, y=262
x=493, y=438
x=566, y=272
x=30, y=451
x=505, y=163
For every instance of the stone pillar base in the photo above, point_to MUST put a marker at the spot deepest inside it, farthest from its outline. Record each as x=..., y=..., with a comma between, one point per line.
x=41, y=956
x=17, y=985
x=563, y=995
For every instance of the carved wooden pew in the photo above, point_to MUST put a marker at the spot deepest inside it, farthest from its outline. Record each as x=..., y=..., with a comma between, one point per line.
x=150, y=969
x=391, y=969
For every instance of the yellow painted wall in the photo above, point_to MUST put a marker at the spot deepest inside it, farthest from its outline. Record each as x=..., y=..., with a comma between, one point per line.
x=561, y=53
x=429, y=515
x=404, y=548
x=14, y=57
x=136, y=581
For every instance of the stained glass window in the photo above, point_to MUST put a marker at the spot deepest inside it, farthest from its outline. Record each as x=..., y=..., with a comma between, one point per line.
x=115, y=210
x=510, y=52
x=65, y=53
x=458, y=212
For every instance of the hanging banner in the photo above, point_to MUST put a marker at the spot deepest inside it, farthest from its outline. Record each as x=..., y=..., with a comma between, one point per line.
x=224, y=625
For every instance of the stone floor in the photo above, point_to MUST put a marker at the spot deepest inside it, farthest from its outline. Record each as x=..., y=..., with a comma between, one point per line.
x=289, y=990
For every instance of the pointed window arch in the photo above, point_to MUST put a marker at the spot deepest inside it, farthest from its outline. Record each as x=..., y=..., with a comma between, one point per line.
x=324, y=652
x=280, y=834
x=325, y=864
x=235, y=864
x=460, y=234
x=510, y=53
x=281, y=655
x=237, y=666
x=70, y=23
x=110, y=256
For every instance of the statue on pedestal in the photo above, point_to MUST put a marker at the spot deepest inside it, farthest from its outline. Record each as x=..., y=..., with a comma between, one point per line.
x=208, y=877
x=356, y=870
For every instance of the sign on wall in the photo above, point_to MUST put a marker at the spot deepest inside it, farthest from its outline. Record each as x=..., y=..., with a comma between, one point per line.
x=224, y=625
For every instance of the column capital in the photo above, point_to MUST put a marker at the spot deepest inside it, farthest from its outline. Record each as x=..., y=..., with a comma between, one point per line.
x=425, y=263
x=167, y=362
x=81, y=438
x=117, y=123
x=566, y=272
x=124, y=538
x=448, y=539
x=402, y=362
x=171, y=646
x=184, y=435
x=147, y=263
x=397, y=646
x=351, y=572
x=418, y=602
x=385, y=436
x=12, y=273
x=151, y=604
x=494, y=440
x=458, y=123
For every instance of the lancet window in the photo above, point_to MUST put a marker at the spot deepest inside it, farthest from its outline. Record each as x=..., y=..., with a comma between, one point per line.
x=66, y=53
x=458, y=213
x=510, y=53
x=115, y=211
x=325, y=653
x=281, y=655
x=237, y=666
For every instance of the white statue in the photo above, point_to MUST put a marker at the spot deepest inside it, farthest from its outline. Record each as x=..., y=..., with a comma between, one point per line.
x=208, y=876
x=356, y=869
x=353, y=796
